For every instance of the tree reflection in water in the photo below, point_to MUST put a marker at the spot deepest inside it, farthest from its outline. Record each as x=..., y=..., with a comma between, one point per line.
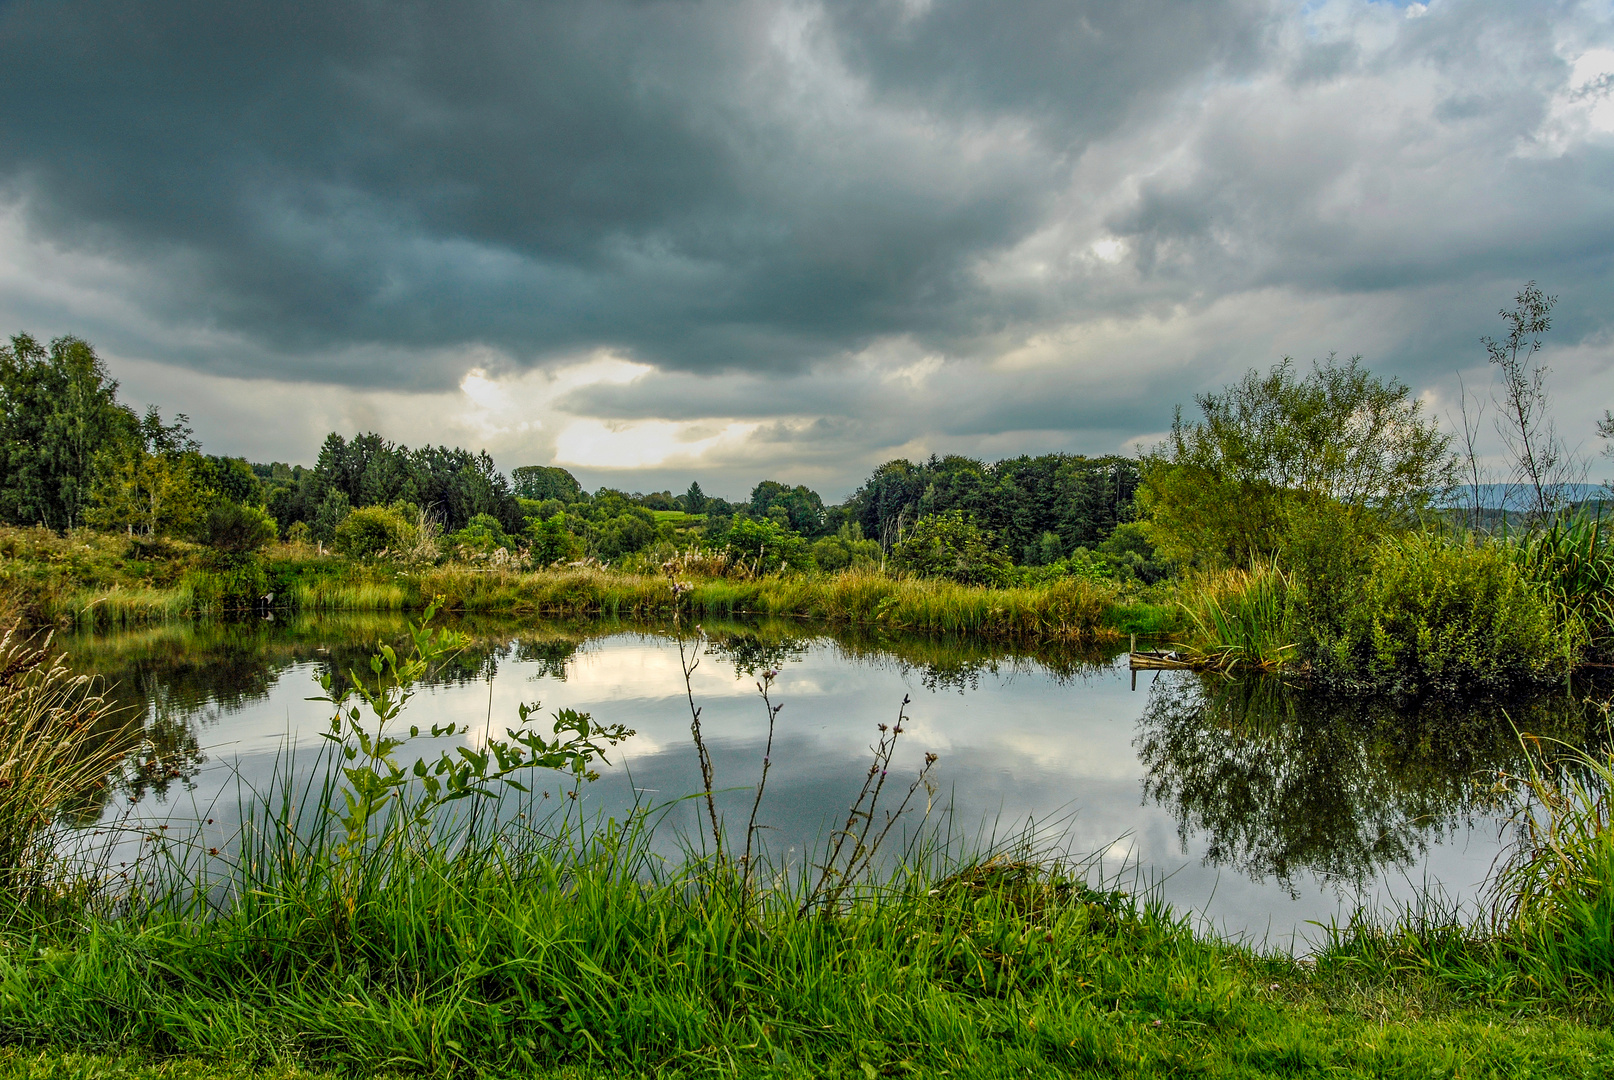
x=1284, y=781
x=169, y=683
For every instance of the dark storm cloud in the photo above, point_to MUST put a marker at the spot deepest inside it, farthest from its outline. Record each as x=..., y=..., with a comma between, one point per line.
x=1077, y=69
x=550, y=177
x=867, y=228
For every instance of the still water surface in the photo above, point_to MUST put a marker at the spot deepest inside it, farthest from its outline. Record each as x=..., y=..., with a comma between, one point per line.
x=1261, y=808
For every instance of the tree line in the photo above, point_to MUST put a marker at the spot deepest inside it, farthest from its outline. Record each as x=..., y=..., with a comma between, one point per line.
x=74, y=455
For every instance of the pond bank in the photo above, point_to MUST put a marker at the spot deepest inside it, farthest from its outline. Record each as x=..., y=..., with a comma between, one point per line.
x=560, y=947
x=87, y=581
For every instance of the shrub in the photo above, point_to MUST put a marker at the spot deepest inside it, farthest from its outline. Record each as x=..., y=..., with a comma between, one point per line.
x=952, y=546
x=1437, y=614
x=846, y=549
x=373, y=530
x=762, y=546
x=1130, y=551
x=235, y=529
x=482, y=535
x=551, y=541
x=623, y=535
x=1080, y=564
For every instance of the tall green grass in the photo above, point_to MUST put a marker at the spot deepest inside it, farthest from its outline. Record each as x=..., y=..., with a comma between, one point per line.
x=1573, y=561
x=343, y=930
x=1545, y=929
x=1073, y=610
x=52, y=756
x=90, y=585
x=1243, y=621
x=1554, y=895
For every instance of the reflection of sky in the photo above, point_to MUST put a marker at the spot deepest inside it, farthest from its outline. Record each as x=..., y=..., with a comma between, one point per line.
x=1023, y=746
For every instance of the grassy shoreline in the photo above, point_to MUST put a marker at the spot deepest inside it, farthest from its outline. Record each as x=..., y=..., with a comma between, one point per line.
x=398, y=933
x=540, y=965
x=83, y=581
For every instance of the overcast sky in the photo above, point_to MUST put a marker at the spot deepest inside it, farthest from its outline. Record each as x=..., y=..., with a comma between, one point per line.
x=655, y=242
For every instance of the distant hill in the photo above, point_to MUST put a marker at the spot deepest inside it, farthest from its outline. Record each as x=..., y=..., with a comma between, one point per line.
x=1515, y=497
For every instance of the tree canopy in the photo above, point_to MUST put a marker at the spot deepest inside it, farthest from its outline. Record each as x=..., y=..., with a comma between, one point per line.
x=59, y=411
x=1275, y=448
x=1079, y=500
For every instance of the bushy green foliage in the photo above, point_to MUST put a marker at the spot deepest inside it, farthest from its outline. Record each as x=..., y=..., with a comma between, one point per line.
x=622, y=535
x=371, y=531
x=1132, y=554
x=1079, y=500
x=453, y=485
x=481, y=535
x=232, y=478
x=1436, y=613
x=763, y=546
x=1081, y=565
x=550, y=541
x=234, y=529
x=59, y=415
x=950, y=545
x=545, y=482
x=1275, y=451
x=846, y=549
x=798, y=508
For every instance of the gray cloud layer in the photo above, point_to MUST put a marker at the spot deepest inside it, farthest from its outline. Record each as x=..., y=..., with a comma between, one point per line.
x=1077, y=208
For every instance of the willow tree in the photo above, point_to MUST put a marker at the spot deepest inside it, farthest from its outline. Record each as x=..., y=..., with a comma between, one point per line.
x=1278, y=462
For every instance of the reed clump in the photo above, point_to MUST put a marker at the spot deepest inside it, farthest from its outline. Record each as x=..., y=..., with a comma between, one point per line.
x=1243, y=620
x=1572, y=560
x=53, y=754
x=1554, y=896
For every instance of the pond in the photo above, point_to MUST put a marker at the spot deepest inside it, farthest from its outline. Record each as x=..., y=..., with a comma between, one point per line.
x=1257, y=807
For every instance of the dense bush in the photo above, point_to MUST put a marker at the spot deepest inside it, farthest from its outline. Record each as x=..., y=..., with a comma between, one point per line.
x=622, y=535
x=550, y=541
x=845, y=550
x=235, y=529
x=1438, y=614
x=373, y=530
x=481, y=535
x=1132, y=554
x=952, y=546
x=763, y=546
